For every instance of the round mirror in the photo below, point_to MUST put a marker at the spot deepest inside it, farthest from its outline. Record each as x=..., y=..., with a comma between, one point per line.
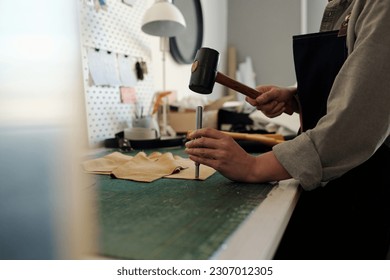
x=184, y=46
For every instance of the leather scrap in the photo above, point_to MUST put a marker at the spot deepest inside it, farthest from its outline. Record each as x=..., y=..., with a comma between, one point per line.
x=106, y=164
x=144, y=168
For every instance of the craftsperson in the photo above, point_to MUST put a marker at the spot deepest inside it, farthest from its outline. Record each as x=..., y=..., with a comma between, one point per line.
x=341, y=157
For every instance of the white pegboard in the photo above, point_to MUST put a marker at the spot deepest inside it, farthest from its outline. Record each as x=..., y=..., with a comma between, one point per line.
x=118, y=30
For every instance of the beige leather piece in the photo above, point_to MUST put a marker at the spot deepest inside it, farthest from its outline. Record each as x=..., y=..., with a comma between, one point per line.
x=105, y=164
x=189, y=171
x=146, y=168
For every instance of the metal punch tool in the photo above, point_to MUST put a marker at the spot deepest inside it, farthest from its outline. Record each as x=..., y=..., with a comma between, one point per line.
x=199, y=118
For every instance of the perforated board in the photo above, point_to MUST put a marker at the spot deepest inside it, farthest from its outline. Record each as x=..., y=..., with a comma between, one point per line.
x=118, y=30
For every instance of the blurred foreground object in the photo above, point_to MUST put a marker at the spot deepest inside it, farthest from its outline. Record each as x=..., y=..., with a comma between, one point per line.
x=45, y=203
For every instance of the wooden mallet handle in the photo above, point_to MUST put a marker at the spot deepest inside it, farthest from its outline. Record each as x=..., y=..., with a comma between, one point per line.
x=237, y=86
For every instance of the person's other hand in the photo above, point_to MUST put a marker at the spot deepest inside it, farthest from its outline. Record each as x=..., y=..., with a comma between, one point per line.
x=274, y=100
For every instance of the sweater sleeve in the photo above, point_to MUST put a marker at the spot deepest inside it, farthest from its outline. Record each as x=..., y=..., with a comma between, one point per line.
x=357, y=122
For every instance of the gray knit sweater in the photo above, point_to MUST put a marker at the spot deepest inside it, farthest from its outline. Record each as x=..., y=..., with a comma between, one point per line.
x=357, y=122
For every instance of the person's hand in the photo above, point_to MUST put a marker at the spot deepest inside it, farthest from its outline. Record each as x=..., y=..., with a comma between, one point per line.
x=274, y=100
x=219, y=151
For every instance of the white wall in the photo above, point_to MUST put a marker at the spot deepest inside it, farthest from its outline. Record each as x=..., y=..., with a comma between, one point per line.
x=263, y=30
x=311, y=19
x=215, y=36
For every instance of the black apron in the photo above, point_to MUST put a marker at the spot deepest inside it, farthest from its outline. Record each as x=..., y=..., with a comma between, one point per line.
x=349, y=217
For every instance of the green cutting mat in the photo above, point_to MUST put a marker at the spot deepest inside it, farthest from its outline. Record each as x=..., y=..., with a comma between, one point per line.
x=172, y=218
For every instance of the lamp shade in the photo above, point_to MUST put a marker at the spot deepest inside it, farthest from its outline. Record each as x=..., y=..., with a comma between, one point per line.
x=163, y=19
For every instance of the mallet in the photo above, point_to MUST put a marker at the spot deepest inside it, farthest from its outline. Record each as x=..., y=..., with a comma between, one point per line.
x=204, y=75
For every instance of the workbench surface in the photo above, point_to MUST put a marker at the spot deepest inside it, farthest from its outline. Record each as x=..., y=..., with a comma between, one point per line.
x=190, y=219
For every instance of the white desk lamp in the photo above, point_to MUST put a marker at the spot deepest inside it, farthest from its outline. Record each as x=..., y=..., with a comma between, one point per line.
x=163, y=19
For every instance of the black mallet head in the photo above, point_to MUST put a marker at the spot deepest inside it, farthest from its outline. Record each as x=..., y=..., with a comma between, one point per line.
x=204, y=71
